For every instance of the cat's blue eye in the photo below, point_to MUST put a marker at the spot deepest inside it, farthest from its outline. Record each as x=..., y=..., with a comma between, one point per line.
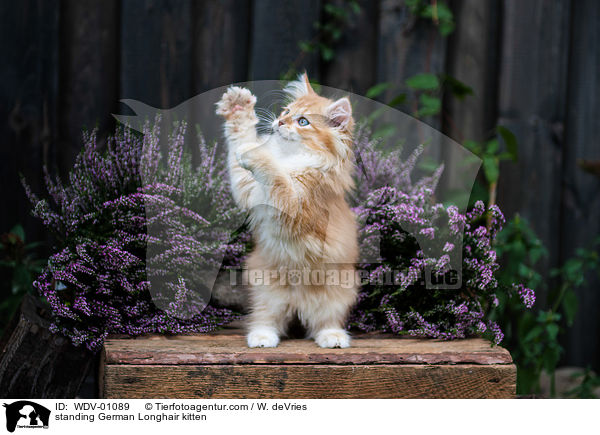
x=303, y=122
x=285, y=112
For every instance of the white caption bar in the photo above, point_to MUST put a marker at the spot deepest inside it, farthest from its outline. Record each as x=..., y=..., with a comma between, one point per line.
x=155, y=416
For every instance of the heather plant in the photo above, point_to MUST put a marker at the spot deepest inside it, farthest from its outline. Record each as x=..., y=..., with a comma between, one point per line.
x=395, y=299
x=98, y=281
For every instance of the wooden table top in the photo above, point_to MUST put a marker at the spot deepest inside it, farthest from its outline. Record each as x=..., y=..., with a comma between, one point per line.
x=229, y=347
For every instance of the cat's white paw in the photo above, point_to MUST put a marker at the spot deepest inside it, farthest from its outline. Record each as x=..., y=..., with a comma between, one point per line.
x=236, y=101
x=247, y=153
x=242, y=155
x=262, y=337
x=333, y=338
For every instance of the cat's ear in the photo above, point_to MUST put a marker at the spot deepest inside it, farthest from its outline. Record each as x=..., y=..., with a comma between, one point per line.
x=299, y=87
x=340, y=112
x=309, y=89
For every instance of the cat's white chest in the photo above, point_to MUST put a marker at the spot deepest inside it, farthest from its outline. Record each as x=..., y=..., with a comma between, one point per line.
x=292, y=156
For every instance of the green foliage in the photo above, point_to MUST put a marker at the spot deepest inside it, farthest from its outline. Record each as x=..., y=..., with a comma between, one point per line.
x=456, y=88
x=492, y=154
x=423, y=82
x=19, y=266
x=533, y=337
x=378, y=89
x=510, y=141
x=586, y=389
x=437, y=11
x=426, y=92
x=330, y=30
x=429, y=106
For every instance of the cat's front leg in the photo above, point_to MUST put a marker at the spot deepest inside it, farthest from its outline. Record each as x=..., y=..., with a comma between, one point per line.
x=269, y=312
x=237, y=107
x=333, y=337
x=324, y=314
x=275, y=182
x=263, y=336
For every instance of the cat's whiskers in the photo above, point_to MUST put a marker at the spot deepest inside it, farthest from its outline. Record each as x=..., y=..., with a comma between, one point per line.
x=265, y=120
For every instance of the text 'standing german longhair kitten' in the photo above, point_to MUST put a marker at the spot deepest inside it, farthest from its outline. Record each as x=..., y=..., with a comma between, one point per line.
x=301, y=170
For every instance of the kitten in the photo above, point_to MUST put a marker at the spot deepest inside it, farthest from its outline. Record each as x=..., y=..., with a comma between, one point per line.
x=302, y=170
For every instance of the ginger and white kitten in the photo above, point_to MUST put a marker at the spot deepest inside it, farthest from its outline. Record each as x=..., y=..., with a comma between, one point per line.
x=302, y=171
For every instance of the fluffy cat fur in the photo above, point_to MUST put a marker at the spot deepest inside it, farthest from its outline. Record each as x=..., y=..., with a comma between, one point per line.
x=293, y=182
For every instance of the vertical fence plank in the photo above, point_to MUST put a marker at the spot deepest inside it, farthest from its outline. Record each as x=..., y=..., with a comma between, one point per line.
x=156, y=51
x=277, y=29
x=220, y=43
x=28, y=95
x=88, y=73
x=473, y=59
x=354, y=66
x=581, y=198
x=407, y=46
x=532, y=103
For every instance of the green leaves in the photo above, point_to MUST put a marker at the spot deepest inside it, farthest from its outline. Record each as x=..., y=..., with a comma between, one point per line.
x=427, y=87
x=536, y=347
x=397, y=100
x=438, y=12
x=491, y=168
x=589, y=384
x=491, y=154
x=330, y=30
x=378, y=89
x=423, y=82
x=570, y=305
x=20, y=266
x=457, y=88
x=510, y=141
x=18, y=231
x=429, y=106
x=442, y=16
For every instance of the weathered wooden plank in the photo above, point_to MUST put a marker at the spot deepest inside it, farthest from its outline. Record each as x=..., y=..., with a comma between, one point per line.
x=309, y=381
x=278, y=27
x=532, y=104
x=231, y=348
x=473, y=59
x=407, y=46
x=220, y=43
x=28, y=98
x=353, y=67
x=35, y=363
x=88, y=73
x=156, y=51
x=581, y=202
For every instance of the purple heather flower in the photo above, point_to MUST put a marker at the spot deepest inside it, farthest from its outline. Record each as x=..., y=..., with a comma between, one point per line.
x=97, y=283
x=392, y=209
x=527, y=295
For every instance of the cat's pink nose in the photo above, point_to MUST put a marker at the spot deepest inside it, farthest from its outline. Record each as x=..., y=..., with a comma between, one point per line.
x=280, y=122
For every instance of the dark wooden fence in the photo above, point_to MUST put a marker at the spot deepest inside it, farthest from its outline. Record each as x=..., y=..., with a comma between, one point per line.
x=534, y=66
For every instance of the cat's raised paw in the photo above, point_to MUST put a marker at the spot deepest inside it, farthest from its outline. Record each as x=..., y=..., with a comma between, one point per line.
x=333, y=338
x=236, y=101
x=244, y=154
x=262, y=338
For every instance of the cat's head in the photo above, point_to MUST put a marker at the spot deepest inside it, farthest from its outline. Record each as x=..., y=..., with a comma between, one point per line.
x=317, y=123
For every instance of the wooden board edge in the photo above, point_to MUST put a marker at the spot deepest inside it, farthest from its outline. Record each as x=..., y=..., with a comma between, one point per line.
x=310, y=382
